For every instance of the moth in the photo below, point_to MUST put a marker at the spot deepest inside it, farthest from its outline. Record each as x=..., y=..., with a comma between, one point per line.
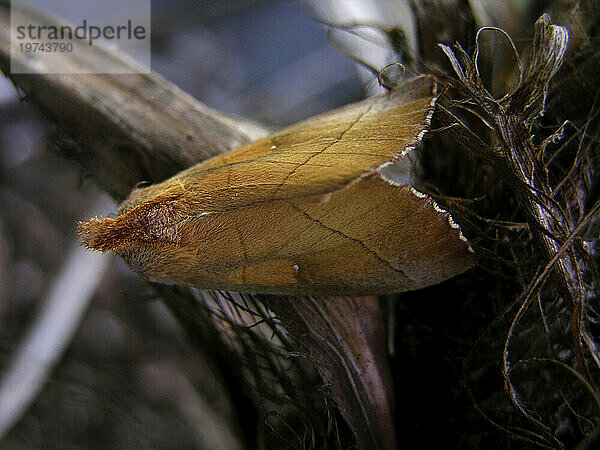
x=307, y=210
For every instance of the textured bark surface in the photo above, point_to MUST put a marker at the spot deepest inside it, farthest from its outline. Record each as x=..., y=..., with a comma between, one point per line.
x=344, y=338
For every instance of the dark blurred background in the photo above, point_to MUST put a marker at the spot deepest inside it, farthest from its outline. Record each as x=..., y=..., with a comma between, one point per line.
x=267, y=60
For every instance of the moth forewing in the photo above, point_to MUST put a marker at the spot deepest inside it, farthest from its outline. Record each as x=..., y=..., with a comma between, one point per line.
x=302, y=211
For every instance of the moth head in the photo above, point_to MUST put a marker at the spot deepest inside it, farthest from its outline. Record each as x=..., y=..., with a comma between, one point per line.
x=145, y=218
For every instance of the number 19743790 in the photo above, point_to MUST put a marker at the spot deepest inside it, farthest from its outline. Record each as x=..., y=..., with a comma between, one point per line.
x=50, y=47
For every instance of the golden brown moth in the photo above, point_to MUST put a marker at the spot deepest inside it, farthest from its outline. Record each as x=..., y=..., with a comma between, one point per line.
x=303, y=211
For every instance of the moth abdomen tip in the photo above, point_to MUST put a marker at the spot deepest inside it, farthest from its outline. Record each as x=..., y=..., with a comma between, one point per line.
x=102, y=235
